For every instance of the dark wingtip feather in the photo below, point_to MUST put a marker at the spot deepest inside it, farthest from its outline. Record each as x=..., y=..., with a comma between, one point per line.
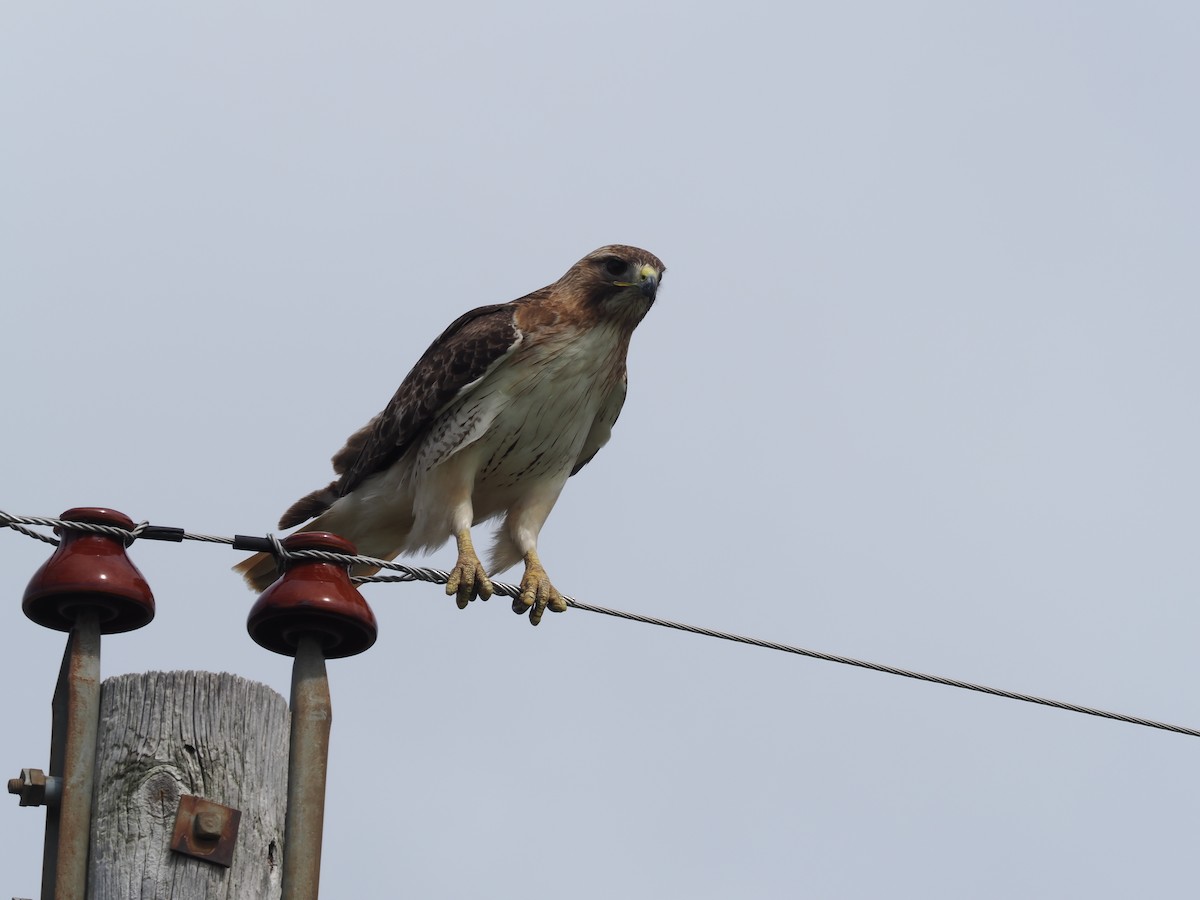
x=309, y=507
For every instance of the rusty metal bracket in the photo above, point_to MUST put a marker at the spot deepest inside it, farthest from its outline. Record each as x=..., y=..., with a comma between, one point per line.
x=206, y=830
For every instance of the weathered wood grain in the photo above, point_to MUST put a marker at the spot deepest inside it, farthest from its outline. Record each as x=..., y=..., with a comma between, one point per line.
x=163, y=734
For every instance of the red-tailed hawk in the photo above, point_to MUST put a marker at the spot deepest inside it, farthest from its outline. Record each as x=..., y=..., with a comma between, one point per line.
x=508, y=403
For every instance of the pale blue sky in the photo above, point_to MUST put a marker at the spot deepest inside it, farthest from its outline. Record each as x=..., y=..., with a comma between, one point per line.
x=920, y=388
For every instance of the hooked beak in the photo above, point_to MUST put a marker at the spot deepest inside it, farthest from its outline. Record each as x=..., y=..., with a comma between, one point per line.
x=648, y=281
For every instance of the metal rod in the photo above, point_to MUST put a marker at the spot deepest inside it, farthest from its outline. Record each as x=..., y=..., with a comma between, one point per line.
x=308, y=759
x=76, y=718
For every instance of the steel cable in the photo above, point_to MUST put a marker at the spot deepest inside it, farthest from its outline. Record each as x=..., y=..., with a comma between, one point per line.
x=407, y=573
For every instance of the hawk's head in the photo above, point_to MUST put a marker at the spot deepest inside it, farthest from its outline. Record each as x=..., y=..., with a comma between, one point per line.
x=617, y=281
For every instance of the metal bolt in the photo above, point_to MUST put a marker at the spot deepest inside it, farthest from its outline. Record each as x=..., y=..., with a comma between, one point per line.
x=205, y=830
x=208, y=825
x=35, y=788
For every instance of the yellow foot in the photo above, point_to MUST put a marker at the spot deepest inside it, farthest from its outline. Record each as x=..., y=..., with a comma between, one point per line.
x=468, y=579
x=537, y=593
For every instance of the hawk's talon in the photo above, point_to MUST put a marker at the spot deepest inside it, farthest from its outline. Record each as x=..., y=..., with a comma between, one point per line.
x=518, y=605
x=537, y=593
x=468, y=579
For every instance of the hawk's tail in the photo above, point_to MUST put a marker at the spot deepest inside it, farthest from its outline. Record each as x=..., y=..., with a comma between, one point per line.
x=259, y=571
x=383, y=539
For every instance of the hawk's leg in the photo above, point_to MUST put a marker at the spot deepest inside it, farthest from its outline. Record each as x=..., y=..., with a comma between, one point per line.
x=537, y=592
x=468, y=579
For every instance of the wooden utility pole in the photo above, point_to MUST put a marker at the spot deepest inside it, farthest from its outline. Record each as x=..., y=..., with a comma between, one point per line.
x=165, y=735
x=178, y=784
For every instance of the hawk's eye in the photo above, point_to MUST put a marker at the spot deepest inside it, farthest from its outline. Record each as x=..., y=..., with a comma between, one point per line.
x=614, y=265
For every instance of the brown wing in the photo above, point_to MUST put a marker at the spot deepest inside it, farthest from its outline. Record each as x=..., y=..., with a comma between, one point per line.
x=461, y=355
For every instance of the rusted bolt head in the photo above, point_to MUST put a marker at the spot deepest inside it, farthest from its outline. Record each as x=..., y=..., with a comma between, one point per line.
x=205, y=830
x=208, y=824
x=90, y=571
x=314, y=597
x=30, y=787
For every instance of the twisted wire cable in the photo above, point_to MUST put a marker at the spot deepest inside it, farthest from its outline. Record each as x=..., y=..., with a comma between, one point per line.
x=406, y=573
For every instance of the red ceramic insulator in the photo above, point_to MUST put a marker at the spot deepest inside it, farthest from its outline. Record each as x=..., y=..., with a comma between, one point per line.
x=314, y=597
x=90, y=571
